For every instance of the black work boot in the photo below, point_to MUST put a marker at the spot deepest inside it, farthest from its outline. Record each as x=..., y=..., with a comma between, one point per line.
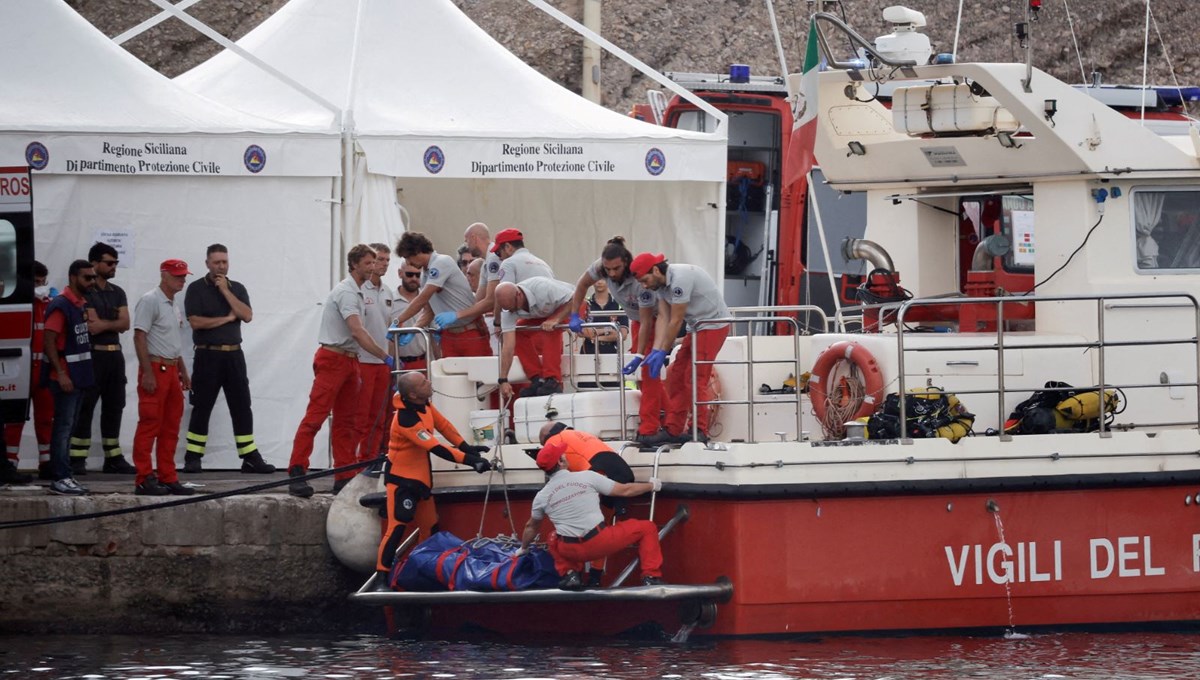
x=535, y=387
x=253, y=463
x=549, y=386
x=299, y=487
x=192, y=464
x=570, y=581
x=117, y=465
x=9, y=474
x=594, y=576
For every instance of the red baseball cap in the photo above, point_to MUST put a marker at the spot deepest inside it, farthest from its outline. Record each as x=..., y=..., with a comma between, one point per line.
x=174, y=267
x=643, y=262
x=551, y=453
x=507, y=236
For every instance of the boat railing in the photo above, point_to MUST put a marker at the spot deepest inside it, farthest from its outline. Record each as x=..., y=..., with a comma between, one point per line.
x=752, y=318
x=1165, y=300
x=397, y=332
x=601, y=378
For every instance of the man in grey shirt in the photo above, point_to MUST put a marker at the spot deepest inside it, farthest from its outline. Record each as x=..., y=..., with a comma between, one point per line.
x=162, y=380
x=685, y=293
x=572, y=502
x=535, y=302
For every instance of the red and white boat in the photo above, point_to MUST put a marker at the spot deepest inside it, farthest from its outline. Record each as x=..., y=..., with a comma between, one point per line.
x=1044, y=236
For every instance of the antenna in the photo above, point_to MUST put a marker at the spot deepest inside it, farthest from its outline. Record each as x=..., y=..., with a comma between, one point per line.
x=1023, y=36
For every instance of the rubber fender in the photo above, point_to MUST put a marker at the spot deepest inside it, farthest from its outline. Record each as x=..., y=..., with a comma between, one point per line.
x=1086, y=405
x=354, y=531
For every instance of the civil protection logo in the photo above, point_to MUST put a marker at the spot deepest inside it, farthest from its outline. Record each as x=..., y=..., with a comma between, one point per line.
x=646, y=296
x=37, y=156
x=678, y=292
x=434, y=159
x=656, y=161
x=255, y=158
x=433, y=273
x=493, y=266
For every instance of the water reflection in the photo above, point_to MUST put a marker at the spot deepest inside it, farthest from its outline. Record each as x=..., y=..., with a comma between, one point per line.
x=1070, y=656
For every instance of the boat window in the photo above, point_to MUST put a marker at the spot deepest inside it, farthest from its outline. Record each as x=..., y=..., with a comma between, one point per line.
x=1165, y=228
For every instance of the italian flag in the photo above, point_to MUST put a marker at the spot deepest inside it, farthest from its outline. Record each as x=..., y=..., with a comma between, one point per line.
x=799, y=157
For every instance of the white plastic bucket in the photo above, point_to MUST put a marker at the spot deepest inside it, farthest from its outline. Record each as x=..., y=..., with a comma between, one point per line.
x=483, y=426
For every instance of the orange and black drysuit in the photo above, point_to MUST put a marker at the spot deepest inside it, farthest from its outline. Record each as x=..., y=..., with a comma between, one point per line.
x=585, y=451
x=408, y=474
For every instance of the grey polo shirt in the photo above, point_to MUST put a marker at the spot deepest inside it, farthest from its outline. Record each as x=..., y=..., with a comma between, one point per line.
x=572, y=501
x=344, y=301
x=454, y=293
x=162, y=321
x=522, y=265
x=543, y=295
x=687, y=283
x=378, y=311
x=626, y=293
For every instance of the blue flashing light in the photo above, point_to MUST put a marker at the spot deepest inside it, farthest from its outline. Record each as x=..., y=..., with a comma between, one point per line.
x=739, y=73
x=944, y=58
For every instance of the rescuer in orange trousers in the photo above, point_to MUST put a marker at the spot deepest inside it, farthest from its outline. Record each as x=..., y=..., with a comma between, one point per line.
x=408, y=475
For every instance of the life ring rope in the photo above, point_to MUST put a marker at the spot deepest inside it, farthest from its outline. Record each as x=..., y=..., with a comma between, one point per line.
x=852, y=397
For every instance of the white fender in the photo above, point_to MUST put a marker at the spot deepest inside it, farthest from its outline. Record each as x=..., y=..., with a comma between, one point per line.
x=353, y=531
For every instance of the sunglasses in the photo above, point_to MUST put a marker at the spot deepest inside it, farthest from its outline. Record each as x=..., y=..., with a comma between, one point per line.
x=412, y=275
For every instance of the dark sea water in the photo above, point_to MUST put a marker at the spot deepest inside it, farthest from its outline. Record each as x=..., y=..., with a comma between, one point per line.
x=1066, y=655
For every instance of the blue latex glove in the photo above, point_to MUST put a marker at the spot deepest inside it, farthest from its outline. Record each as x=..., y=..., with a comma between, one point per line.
x=445, y=319
x=390, y=361
x=655, y=361
x=405, y=339
x=53, y=292
x=576, y=323
x=632, y=365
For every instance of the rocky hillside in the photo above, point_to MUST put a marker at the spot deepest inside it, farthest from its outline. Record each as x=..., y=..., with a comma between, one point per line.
x=708, y=35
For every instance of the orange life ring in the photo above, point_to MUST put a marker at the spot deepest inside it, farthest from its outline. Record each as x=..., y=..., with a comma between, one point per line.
x=845, y=350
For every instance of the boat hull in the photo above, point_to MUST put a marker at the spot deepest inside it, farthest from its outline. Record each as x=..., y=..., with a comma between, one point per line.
x=987, y=558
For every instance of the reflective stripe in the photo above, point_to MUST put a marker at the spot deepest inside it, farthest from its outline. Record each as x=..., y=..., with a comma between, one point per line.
x=76, y=358
x=38, y=356
x=243, y=438
x=199, y=438
x=39, y=326
x=247, y=448
x=195, y=448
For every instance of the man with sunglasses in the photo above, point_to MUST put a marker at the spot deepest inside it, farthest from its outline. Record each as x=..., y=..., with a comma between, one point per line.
x=412, y=355
x=108, y=317
x=68, y=368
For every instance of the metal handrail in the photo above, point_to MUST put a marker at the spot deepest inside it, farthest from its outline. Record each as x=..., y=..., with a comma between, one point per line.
x=571, y=355
x=427, y=335
x=749, y=363
x=1100, y=343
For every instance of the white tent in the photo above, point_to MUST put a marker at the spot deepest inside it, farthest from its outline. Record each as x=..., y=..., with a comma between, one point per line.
x=471, y=133
x=122, y=154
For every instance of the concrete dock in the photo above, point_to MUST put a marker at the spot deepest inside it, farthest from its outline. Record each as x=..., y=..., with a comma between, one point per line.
x=255, y=563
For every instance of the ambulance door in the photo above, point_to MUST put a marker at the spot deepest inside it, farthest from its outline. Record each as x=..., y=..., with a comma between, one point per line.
x=16, y=292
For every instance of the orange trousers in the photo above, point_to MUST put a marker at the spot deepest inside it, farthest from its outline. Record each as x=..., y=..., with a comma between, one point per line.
x=159, y=417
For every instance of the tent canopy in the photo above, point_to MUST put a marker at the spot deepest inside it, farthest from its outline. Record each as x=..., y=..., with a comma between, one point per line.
x=428, y=96
x=92, y=108
x=124, y=155
x=421, y=75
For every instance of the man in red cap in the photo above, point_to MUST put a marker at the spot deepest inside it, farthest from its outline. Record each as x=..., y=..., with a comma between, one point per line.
x=572, y=502
x=685, y=293
x=162, y=380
